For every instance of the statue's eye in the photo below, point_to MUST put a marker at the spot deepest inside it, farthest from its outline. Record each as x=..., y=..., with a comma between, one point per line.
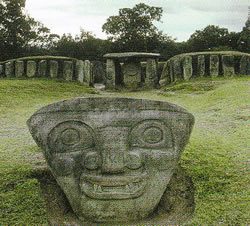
x=151, y=134
x=71, y=136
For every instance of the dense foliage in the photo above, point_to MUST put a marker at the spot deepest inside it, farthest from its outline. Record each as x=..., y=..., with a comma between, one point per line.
x=132, y=29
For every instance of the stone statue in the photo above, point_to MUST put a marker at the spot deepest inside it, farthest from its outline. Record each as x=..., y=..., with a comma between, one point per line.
x=112, y=157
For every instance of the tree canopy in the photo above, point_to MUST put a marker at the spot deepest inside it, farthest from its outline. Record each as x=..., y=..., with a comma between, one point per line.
x=133, y=29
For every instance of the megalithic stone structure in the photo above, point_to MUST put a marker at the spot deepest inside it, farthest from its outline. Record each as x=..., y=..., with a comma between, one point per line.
x=19, y=68
x=31, y=69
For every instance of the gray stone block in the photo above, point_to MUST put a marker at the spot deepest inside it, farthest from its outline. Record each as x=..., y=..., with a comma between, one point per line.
x=1, y=70
x=68, y=70
x=80, y=71
x=177, y=69
x=201, y=66
x=19, y=68
x=31, y=68
x=166, y=74
x=151, y=79
x=88, y=75
x=110, y=74
x=114, y=158
x=131, y=74
x=245, y=65
x=228, y=65
x=214, y=65
x=187, y=68
x=42, y=68
x=9, y=69
x=53, y=69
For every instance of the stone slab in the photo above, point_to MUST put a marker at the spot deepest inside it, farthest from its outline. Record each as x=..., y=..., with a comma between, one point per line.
x=88, y=75
x=201, y=67
x=151, y=79
x=42, y=68
x=68, y=70
x=19, y=68
x=214, y=66
x=1, y=70
x=131, y=54
x=80, y=71
x=131, y=74
x=53, y=70
x=31, y=69
x=187, y=68
x=245, y=65
x=110, y=74
x=9, y=69
x=228, y=65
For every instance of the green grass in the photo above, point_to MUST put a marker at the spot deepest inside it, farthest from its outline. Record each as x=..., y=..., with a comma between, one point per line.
x=217, y=156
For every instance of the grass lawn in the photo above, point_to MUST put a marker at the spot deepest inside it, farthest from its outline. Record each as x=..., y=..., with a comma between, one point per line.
x=217, y=157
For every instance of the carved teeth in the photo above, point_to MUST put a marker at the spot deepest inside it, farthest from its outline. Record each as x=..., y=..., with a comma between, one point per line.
x=99, y=188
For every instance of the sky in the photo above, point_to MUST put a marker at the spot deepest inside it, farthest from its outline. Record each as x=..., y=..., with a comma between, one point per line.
x=180, y=18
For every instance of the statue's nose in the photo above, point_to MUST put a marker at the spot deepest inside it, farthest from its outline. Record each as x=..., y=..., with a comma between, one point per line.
x=113, y=161
x=113, y=148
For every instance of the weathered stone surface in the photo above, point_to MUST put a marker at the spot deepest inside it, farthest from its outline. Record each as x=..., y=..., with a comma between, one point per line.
x=9, y=69
x=80, y=70
x=110, y=74
x=113, y=157
x=19, y=68
x=131, y=74
x=53, y=70
x=201, y=66
x=151, y=79
x=165, y=76
x=187, y=68
x=131, y=54
x=1, y=70
x=245, y=65
x=67, y=70
x=177, y=69
x=214, y=65
x=99, y=71
x=88, y=75
x=31, y=68
x=228, y=65
x=42, y=68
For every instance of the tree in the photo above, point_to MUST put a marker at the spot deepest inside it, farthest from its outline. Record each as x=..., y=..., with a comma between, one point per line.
x=19, y=32
x=133, y=29
x=244, y=39
x=212, y=37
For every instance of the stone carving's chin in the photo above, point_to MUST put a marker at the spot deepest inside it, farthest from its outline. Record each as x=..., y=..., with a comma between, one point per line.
x=113, y=187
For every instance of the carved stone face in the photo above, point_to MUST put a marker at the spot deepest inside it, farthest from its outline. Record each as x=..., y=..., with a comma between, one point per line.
x=112, y=157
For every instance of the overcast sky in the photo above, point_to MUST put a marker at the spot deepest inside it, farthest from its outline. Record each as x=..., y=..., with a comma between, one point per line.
x=180, y=17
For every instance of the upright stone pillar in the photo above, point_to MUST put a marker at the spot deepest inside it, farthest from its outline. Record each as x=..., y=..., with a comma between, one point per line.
x=53, y=69
x=132, y=74
x=214, y=65
x=1, y=70
x=9, y=69
x=165, y=76
x=151, y=74
x=110, y=75
x=88, y=73
x=19, y=68
x=187, y=67
x=228, y=65
x=177, y=72
x=201, y=66
x=31, y=68
x=42, y=68
x=80, y=71
x=245, y=65
x=68, y=70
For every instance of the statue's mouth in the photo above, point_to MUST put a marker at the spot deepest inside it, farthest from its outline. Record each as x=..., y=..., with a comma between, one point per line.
x=113, y=187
